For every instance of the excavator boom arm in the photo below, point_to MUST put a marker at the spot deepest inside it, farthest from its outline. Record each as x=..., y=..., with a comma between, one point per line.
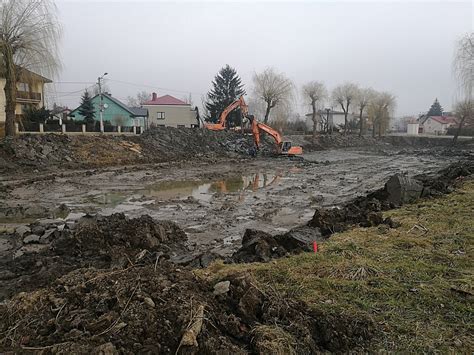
x=220, y=125
x=274, y=133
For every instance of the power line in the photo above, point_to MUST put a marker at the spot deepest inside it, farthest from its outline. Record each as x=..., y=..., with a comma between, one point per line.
x=155, y=87
x=74, y=82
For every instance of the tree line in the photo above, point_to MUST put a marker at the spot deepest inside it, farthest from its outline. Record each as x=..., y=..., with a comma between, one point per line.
x=273, y=95
x=30, y=33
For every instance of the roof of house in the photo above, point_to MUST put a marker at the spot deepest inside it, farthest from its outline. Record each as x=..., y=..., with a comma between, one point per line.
x=26, y=73
x=444, y=119
x=139, y=111
x=134, y=111
x=165, y=100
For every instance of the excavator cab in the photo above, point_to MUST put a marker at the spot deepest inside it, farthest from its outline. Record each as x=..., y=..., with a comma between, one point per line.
x=288, y=149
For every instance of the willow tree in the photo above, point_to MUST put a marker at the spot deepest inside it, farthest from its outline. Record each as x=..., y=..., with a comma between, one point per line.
x=379, y=109
x=344, y=95
x=29, y=34
x=273, y=88
x=463, y=66
x=315, y=92
x=362, y=101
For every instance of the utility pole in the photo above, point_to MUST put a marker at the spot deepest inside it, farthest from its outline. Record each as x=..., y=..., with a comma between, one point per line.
x=328, y=110
x=101, y=105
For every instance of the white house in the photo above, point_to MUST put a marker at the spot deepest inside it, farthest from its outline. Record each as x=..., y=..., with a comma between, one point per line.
x=438, y=124
x=413, y=128
x=170, y=111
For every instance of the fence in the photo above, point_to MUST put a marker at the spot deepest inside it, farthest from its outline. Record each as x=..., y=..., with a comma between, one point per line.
x=72, y=128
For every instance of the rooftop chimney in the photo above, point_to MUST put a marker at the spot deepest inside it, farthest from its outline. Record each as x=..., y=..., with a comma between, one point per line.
x=153, y=96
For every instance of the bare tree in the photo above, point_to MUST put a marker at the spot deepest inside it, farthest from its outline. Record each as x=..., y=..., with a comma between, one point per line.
x=344, y=95
x=273, y=88
x=29, y=34
x=316, y=92
x=361, y=101
x=464, y=111
x=139, y=99
x=463, y=65
x=380, y=109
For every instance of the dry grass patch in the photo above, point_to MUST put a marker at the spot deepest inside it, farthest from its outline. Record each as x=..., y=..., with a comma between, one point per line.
x=416, y=282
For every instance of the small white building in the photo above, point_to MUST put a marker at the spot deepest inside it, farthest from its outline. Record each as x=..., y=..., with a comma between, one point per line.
x=413, y=128
x=438, y=124
x=170, y=111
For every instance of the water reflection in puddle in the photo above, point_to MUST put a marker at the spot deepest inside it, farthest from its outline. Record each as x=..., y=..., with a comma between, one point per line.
x=199, y=190
x=205, y=191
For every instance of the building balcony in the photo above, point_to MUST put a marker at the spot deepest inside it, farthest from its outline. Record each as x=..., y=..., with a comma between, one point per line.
x=26, y=96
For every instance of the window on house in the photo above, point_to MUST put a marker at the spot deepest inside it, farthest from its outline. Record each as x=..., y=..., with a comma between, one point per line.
x=161, y=125
x=160, y=116
x=181, y=126
x=23, y=87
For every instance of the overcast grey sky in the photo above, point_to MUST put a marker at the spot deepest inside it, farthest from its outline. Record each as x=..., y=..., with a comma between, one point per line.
x=178, y=47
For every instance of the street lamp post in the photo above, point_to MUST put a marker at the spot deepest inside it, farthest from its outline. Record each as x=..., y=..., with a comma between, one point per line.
x=101, y=105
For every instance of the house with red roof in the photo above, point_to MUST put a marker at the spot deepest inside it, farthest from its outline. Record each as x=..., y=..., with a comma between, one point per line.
x=438, y=124
x=171, y=112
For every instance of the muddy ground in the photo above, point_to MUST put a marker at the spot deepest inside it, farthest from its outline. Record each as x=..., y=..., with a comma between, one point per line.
x=214, y=202
x=91, y=260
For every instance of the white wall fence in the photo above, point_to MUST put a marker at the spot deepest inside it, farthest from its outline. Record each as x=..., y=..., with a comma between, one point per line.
x=63, y=129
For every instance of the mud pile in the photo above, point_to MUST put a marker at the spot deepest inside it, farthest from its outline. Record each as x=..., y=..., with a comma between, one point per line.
x=162, y=309
x=108, y=285
x=39, y=253
x=155, y=145
x=177, y=143
x=258, y=246
x=338, y=140
x=366, y=211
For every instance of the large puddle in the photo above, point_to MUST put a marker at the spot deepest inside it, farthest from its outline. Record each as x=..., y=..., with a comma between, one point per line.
x=202, y=191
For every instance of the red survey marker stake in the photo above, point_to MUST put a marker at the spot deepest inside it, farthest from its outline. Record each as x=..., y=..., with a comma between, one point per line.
x=315, y=247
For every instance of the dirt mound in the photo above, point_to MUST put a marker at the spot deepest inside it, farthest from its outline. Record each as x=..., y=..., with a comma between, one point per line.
x=337, y=140
x=365, y=211
x=155, y=145
x=399, y=189
x=41, y=252
x=177, y=143
x=161, y=309
x=258, y=246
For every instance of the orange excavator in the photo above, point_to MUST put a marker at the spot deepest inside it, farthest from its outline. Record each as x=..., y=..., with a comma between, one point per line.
x=283, y=147
x=220, y=125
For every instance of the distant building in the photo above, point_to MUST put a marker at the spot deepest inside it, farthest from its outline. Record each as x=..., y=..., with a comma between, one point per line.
x=60, y=114
x=171, y=112
x=115, y=112
x=437, y=124
x=336, y=119
x=30, y=93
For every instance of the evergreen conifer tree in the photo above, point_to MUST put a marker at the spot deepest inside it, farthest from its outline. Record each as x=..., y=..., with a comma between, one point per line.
x=86, y=109
x=226, y=88
x=435, y=109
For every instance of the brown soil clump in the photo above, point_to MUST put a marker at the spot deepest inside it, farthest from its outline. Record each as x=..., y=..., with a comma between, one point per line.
x=41, y=253
x=148, y=309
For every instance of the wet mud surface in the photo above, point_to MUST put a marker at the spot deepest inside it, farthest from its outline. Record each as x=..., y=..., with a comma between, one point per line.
x=213, y=202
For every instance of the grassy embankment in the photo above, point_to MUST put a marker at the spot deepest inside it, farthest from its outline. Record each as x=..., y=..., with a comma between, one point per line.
x=415, y=282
